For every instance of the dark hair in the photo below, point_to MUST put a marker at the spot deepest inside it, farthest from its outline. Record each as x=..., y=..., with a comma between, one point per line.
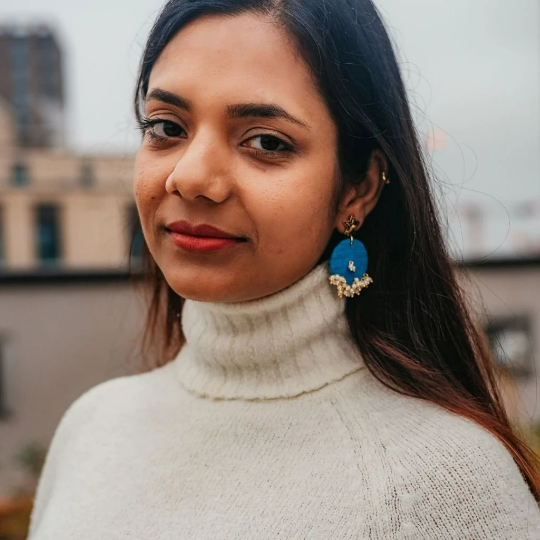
x=412, y=324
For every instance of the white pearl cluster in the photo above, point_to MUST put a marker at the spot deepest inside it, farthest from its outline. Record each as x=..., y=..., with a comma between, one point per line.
x=349, y=290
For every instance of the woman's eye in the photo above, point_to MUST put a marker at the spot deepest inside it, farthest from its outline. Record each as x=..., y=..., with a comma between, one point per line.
x=165, y=129
x=268, y=143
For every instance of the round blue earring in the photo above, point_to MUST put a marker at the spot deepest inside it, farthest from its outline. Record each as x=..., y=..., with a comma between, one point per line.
x=348, y=261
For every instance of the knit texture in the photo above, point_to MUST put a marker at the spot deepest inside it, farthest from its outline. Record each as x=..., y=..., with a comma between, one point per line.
x=268, y=426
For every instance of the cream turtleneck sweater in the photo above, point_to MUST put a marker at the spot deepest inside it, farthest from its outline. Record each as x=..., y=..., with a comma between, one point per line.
x=268, y=426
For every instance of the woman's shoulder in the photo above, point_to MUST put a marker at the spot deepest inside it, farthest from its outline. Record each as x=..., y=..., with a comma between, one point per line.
x=399, y=418
x=104, y=413
x=445, y=467
x=450, y=468
x=424, y=430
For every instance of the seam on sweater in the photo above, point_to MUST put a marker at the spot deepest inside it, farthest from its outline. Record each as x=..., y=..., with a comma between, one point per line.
x=338, y=411
x=202, y=395
x=391, y=482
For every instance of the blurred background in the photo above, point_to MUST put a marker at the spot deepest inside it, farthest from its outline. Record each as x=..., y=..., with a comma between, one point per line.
x=70, y=317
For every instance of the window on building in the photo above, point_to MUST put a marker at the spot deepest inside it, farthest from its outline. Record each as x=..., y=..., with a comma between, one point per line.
x=2, y=228
x=48, y=66
x=4, y=410
x=135, y=234
x=87, y=175
x=48, y=233
x=19, y=60
x=19, y=175
x=511, y=344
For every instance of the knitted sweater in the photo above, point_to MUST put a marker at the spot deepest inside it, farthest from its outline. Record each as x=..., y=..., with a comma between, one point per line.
x=268, y=425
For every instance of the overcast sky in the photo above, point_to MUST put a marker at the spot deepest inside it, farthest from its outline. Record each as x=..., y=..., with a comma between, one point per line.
x=472, y=68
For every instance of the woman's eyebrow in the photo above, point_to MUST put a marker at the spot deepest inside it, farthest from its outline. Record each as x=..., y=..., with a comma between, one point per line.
x=157, y=94
x=262, y=110
x=240, y=110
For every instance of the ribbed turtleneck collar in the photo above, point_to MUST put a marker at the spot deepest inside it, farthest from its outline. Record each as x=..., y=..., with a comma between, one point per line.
x=286, y=344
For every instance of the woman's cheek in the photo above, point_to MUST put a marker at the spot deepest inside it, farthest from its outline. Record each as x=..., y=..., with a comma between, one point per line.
x=295, y=222
x=140, y=186
x=147, y=203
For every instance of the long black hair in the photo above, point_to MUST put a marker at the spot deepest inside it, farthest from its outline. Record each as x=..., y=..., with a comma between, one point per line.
x=412, y=324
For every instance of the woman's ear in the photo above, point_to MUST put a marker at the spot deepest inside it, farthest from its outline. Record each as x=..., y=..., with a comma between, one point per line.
x=361, y=199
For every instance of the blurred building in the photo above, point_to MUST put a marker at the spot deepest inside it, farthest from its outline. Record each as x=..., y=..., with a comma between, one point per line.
x=60, y=209
x=505, y=298
x=31, y=81
x=69, y=315
x=509, y=230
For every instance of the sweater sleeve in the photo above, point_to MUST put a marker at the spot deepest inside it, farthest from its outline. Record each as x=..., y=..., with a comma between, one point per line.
x=466, y=485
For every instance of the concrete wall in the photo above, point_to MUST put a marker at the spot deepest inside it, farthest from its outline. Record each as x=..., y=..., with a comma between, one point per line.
x=58, y=341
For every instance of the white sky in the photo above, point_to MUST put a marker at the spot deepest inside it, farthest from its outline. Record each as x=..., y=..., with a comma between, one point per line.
x=472, y=68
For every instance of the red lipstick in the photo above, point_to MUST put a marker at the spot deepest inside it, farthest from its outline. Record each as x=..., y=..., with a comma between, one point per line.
x=200, y=238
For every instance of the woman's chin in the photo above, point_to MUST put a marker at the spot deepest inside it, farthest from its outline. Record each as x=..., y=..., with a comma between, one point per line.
x=206, y=289
x=210, y=290
x=200, y=292
x=203, y=296
x=229, y=286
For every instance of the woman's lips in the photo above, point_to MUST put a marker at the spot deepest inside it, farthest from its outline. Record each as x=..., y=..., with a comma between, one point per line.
x=201, y=238
x=201, y=243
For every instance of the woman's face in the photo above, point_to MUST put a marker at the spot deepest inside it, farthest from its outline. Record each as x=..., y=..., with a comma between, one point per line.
x=237, y=139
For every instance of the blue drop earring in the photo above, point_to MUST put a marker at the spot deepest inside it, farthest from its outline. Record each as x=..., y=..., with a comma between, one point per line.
x=348, y=261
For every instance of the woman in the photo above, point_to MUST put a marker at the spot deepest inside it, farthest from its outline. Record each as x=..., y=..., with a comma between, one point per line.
x=304, y=399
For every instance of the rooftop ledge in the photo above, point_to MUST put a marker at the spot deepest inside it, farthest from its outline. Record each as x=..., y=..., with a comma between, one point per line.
x=59, y=275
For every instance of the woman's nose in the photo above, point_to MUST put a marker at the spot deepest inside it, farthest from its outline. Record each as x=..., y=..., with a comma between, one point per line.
x=202, y=171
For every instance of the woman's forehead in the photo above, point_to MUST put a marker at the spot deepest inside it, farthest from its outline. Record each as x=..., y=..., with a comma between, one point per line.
x=242, y=59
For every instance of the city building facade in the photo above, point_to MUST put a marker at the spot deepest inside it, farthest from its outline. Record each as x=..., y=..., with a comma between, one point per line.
x=60, y=209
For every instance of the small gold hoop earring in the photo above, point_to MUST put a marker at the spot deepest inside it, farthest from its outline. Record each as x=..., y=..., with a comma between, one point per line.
x=385, y=179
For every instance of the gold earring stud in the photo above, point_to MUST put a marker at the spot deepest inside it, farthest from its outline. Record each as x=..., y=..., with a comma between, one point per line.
x=385, y=179
x=350, y=226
